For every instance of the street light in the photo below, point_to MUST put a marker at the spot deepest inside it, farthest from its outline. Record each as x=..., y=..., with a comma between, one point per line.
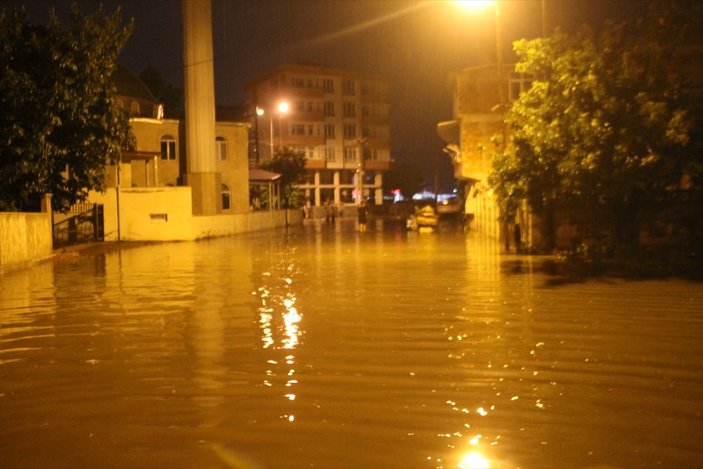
x=476, y=5
x=259, y=113
x=360, y=171
x=282, y=108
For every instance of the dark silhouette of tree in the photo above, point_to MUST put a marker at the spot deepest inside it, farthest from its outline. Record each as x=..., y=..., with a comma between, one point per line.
x=164, y=92
x=290, y=164
x=60, y=124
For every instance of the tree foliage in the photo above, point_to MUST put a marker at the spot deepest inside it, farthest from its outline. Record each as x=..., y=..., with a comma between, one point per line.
x=611, y=121
x=60, y=124
x=290, y=164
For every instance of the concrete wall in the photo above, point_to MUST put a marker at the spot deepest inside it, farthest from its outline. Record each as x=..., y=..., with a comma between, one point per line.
x=24, y=238
x=164, y=214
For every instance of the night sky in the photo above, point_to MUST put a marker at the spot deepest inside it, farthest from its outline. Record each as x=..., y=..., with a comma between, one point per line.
x=415, y=44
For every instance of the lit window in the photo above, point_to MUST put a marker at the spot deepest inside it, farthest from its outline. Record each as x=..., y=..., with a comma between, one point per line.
x=350, y=154
x=329, y=154
x=221, y=148
x=329, y=131
x=168, y=148
x=518, y=84
x=225, y=197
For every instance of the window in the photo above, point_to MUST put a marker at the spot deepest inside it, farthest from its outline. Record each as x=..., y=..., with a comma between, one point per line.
x=349, y=154
x=329, y=154
x=349, y=131
x=168, y=148
x=327, y=177
x=346, y=177
x=297, y=82
x=349, y=87
x=297, y=129
x=328, y=85
x=329, y=108
x=349, y=110
x=518, y=84
x=225, y=197
x=329, y=131
x=221, y=148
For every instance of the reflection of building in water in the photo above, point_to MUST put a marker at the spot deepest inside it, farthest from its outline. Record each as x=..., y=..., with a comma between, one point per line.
x=20, y=295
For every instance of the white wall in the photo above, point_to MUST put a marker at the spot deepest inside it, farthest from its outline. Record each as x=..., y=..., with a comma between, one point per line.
x=164, y=214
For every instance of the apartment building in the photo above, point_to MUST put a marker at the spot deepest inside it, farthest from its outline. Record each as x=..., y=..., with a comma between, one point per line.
x=338, y=118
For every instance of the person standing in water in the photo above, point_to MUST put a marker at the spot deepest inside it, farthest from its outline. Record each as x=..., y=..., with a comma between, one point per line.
x=362, y=215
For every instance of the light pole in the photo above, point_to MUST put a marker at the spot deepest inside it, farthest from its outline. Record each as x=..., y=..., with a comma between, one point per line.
x=282, y=108
x=360, y=170
x=259, y=113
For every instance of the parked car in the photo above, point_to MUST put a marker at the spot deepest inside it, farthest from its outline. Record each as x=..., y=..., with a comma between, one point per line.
x=450, y=207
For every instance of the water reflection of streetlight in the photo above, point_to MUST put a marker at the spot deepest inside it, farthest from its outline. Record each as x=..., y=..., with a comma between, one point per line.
x=474, y=460
x=277, y=305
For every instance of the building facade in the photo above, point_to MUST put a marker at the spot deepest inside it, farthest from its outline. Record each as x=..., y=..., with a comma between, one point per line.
x=158, y=159
x=339, y=119
x=481, y=95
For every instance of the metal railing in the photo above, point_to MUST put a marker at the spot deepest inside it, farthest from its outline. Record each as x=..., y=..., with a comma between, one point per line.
x=84, y=223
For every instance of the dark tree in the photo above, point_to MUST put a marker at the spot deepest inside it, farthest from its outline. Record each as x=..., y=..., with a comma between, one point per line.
x=60, y=123
x=290, y=164
x=164, y=92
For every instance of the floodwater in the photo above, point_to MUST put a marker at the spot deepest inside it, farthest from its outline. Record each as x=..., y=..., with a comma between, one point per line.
x=322, y=347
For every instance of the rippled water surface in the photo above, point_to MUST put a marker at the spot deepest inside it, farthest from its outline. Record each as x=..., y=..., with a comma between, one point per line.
x=327, y=348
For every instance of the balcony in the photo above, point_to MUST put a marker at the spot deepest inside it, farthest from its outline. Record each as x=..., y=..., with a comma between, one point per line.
x=377, y=165
x=315, y=163
x=297, y=91
x=377, y=142
x=303, y=140
x=375, y=120
x=310, y=116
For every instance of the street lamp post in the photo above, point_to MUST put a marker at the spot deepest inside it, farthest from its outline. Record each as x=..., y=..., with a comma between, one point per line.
x=282, y=108
x=360, y=170
x=259, y=113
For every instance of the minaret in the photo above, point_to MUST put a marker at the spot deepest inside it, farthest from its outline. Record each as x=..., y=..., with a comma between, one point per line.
x=201, y=173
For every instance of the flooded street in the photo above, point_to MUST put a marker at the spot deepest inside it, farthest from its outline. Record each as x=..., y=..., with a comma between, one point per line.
x=325, y=348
